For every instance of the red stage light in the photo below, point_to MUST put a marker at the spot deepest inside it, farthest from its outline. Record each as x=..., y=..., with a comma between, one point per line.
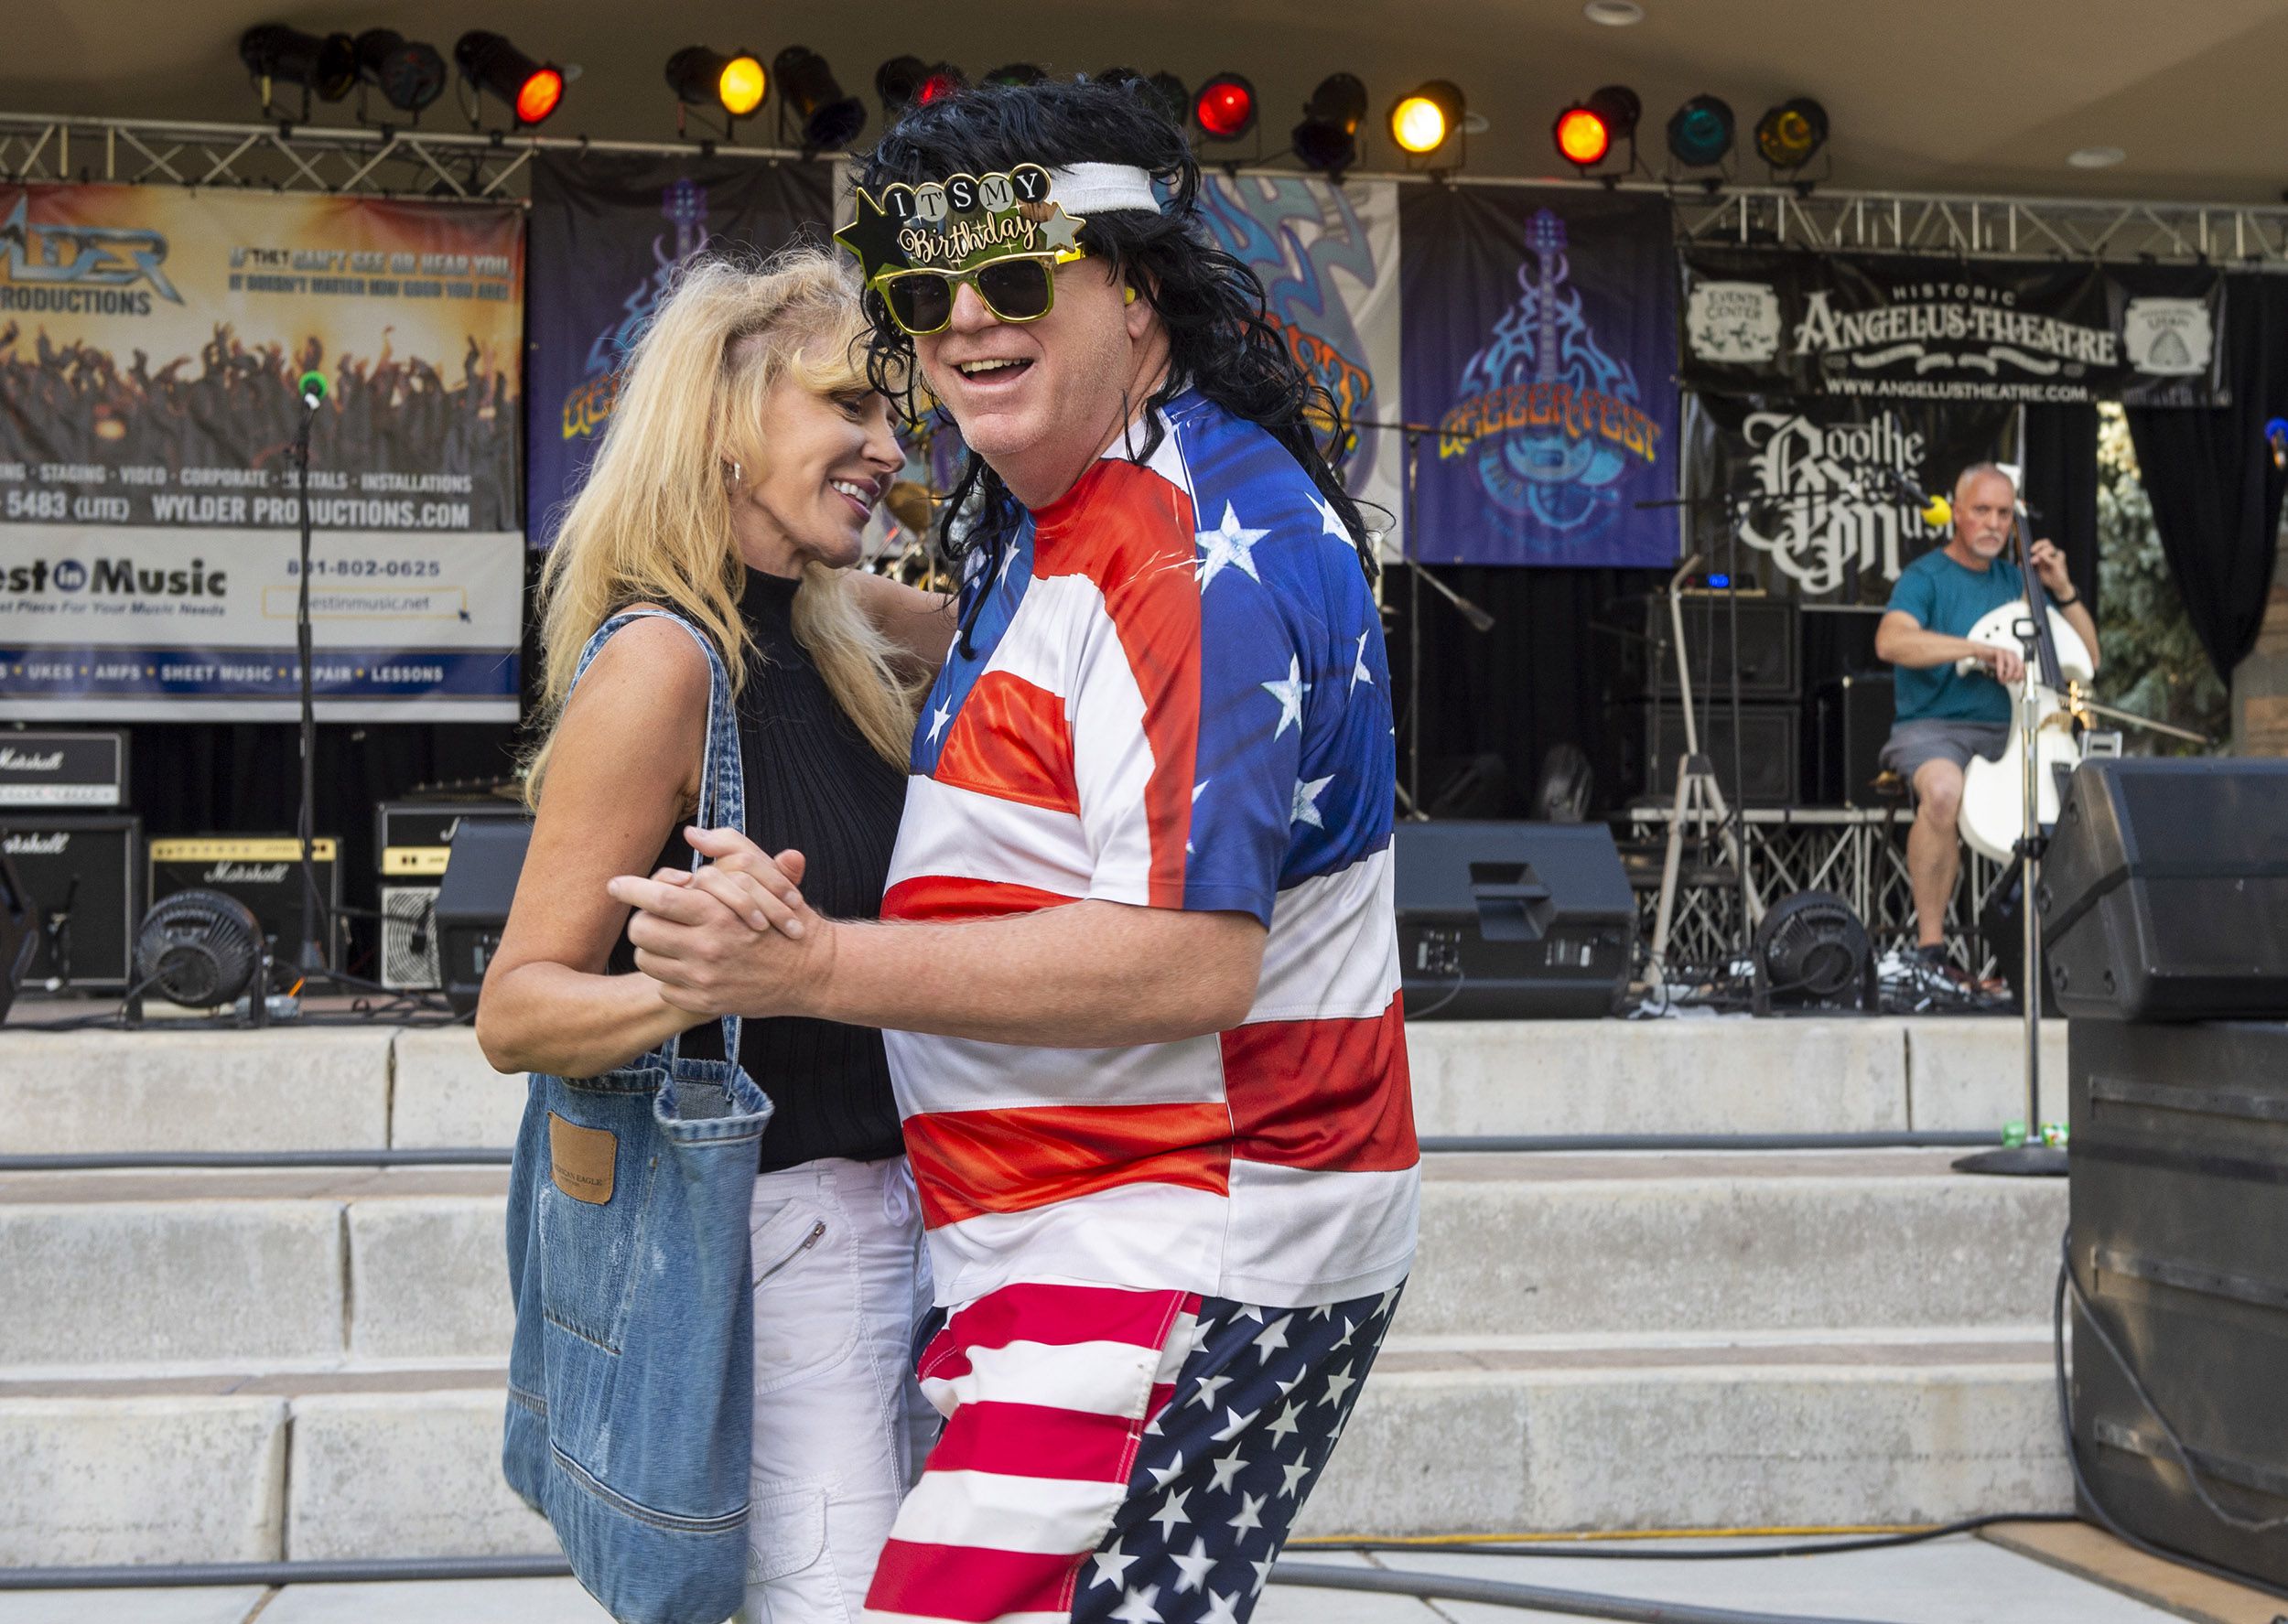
x=941, y=81
x=537, y=97
x=1581, y=136
x=1226, y=107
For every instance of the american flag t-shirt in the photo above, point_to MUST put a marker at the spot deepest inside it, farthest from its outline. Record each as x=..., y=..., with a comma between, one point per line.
x=1176, y=696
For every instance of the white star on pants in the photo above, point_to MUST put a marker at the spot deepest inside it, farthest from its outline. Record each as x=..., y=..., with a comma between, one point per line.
x=1221, y=1609
x=1112, y=1567
x=1136, y=1607
x=1195, y=1566
x=1172, y=1512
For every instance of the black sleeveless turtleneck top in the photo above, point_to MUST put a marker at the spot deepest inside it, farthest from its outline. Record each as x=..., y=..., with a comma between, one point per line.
x=814, y=784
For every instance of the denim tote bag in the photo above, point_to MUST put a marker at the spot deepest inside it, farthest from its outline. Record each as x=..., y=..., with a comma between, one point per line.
x=631, y=1371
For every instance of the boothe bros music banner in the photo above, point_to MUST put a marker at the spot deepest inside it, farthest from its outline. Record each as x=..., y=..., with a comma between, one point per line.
x=1539, y=337
x=1771, y=322
x=609, y=232
x=151, y=340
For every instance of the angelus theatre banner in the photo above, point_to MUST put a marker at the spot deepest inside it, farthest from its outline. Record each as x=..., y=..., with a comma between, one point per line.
x=151, y=340
x=608, y=231
x=1539, y=341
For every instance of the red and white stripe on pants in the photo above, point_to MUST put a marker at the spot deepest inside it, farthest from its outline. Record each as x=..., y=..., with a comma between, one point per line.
x=1046, y=1392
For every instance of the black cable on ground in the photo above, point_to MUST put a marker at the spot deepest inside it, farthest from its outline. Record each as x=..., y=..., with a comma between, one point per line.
x=2067, y=1279
x=1628, y=1552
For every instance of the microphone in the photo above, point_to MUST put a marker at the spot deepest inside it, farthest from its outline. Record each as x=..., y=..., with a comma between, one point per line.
x=1936, y=511
x=312, y=384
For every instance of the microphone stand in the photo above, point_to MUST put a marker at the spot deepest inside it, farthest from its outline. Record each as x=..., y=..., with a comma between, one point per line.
x=310, y=961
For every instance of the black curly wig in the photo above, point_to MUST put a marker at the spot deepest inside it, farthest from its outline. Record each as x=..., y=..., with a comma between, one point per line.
x=1220, y=340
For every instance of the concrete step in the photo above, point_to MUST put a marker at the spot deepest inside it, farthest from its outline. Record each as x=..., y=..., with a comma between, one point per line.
x=1494, y=1437
x=336, y=1088
x=309, y=1269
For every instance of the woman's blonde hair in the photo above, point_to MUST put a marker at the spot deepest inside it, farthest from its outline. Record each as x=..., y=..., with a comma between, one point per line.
x=652, y=522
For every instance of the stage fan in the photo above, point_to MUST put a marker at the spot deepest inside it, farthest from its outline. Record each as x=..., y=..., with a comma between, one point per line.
x=1811, y=953
x=199, y=949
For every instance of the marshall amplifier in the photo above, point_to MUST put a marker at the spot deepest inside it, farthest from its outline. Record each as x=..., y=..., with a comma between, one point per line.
x=82, y=874
x=415, y=839
x=265, y=871
x=1511, y=921
x=75, y=771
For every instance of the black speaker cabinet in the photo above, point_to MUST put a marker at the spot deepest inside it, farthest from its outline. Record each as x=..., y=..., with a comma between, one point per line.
x=2179, y=1197
x=1850, y=723
x=472, y=903
x=2165, y=892
x=265, y=871
x=1769, y=640
x=1768, y=755
x=1509, y=922
x=89, y=869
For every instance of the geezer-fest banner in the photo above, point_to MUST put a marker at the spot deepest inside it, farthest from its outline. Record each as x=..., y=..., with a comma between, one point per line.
x=609, y=231
x=1540, y=332
x=1328, y=259
x=1788, y=323
x=1817, y=523
x=150, y=341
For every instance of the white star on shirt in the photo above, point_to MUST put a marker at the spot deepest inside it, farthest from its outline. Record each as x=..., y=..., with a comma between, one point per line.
x=1007, y=559
x=1172, y=1512
x=1221, y=1609
x=1163, y=1476
x=1228, y=543
x=1226, y=1468
x=1205, y=1397
x=1112, y=1569
x=1195, y=1566
x=1331, y=520
x=1250, y=1512
x=1305, y=809
x=1290, y=694
x=1136, y=1607
x=939, y=717
x=1359, y=673
x=1196, y=789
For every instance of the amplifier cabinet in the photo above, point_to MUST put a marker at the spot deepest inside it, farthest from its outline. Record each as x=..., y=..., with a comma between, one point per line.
x=93, y=866
x=414, y=838
x=1770, y=643
x=265, y=871
x=1511, y=921
x=55, y=770
x=1852, y=718
x=2179, y=1196
x=1769, y=754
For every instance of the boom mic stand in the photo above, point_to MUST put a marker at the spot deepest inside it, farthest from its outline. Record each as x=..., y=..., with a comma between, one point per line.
x=310, y=959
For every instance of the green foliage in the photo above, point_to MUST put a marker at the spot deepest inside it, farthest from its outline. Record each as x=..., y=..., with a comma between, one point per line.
x=2150, y=662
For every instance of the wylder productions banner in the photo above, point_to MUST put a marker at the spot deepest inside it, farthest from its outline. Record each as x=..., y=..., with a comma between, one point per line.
x=1816, y=519
x=609, y=231
x=1328, y=258
x=1541, y=336
x=1783, y=323
x=150, y=341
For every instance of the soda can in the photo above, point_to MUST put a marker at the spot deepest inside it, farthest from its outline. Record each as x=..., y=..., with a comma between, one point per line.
x=2053, y=1134
x=2013, y=1133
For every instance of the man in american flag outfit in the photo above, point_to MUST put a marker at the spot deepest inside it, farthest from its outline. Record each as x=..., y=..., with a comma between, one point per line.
x=1138, y=963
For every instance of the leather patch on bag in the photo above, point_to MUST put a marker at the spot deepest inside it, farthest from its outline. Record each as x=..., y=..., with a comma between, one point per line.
x=580, y=1159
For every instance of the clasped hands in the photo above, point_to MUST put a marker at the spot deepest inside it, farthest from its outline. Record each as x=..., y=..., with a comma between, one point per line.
x=733, y=937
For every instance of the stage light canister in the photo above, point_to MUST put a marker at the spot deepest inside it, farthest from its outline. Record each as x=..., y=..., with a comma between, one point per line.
x=1016, y=73
x=1173, y=95
x=1226, y=107
x=1700, y=132
x=409, y=74
x=488, y=60
x=1423, y=119
x=807, y=88
x=326, y=65
x=1327, y=139
x=1790, y=134
x=1581, y=137
x=735, y=82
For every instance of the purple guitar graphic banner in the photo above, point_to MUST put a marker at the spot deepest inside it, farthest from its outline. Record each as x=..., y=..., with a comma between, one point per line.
x=608, y=233
x=1540, y=344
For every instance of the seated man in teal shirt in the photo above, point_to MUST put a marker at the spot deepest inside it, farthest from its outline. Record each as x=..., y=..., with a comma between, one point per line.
x=1945, y=718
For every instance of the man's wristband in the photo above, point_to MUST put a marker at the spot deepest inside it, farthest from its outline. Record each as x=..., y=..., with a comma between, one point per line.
x=2065, y=603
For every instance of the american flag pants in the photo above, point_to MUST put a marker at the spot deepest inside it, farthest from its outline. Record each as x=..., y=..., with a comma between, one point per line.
x=1116, y=1456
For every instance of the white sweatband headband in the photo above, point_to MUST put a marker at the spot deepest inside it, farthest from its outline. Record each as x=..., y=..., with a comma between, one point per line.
x=1091, y=188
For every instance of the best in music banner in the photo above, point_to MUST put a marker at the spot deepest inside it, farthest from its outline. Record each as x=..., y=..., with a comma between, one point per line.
x=151, y=338
x=608, y=231
x=1540, y=339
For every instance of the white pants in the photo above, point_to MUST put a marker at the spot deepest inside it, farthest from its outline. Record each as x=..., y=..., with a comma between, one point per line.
x=841, y=1428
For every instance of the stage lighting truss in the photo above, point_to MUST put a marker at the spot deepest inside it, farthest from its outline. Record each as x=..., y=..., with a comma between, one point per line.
x=1426, y=121
x=813, y=114
x=733, y=84
x=408, y=74
x=325, y=66
x=532, y=90
x=1326, y=142
x=1790, y=136
x=1587, y=132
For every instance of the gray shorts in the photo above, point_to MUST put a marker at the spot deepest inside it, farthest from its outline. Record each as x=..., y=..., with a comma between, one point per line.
x=1942, y=737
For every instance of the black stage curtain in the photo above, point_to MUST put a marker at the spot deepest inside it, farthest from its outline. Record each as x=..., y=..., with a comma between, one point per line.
x=2061, y=488
x=2216, y=494
x=1550, y=671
